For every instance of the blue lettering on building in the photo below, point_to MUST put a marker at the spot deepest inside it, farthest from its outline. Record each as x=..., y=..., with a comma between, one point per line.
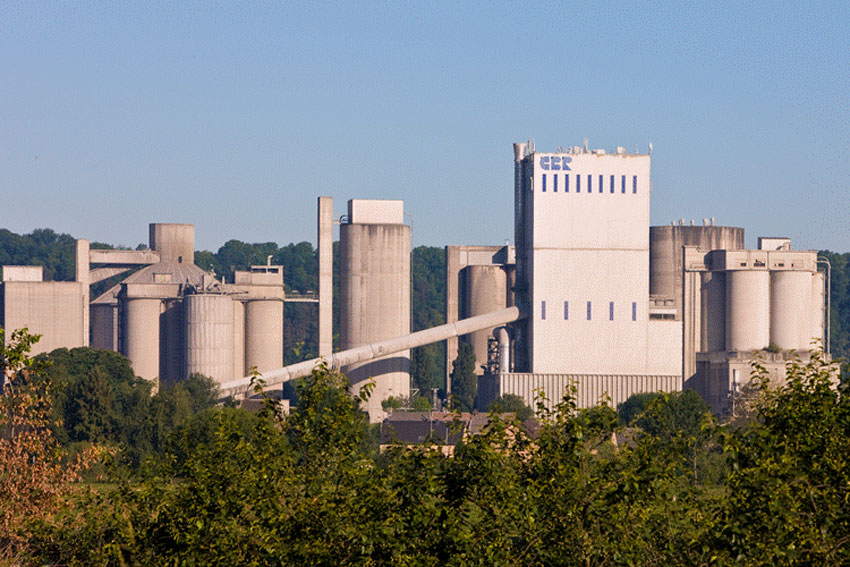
x=555, y=163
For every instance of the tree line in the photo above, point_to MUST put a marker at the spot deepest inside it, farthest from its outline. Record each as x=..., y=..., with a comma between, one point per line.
x=669, y=486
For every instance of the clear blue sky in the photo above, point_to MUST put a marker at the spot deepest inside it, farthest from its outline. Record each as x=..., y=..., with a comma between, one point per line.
x=236, y=116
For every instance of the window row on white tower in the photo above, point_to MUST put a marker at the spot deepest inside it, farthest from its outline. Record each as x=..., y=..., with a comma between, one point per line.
x=588, y=311
x=556, y=182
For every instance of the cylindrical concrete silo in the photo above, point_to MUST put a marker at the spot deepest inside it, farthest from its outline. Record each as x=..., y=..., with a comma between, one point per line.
x=209, y=335
x=747, y=310
x=104, y=320
x=239, y=339
x=141, y=335
x=486, y=291
x=375, y=304
x=818, y=306
x=264, y=334
x=790, y=309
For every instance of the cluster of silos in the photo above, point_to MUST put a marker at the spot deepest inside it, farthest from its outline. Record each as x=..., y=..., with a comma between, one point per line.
x=375, y=295
x=665, y=253
x=175, y=320
x=777, y=307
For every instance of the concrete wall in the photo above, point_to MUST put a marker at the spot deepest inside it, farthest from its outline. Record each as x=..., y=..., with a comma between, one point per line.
x=375, y=304
x=55, y=310
x=174, y=242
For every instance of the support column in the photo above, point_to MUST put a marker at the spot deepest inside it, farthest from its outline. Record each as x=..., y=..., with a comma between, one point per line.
x=82, y=271
x=325, y=243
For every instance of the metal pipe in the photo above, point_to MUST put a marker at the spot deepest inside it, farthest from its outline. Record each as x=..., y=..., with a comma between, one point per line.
x=238, y=388
x=504, y=350
x=827, y=322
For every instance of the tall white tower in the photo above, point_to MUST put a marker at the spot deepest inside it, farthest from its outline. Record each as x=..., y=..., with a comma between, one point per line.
x=583, y=225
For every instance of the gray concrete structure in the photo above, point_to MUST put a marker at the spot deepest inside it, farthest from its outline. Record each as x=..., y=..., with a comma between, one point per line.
x=375, y=295
x=209, y=334
x=665, y=254
x=241, y=387
x=739, y=304
x=478, y=279
x=325, y=244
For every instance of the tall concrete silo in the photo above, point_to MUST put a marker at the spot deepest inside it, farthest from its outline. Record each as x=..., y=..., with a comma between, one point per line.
x=375, y=294
x=264, y=334
x=790, y=309
x=209, y=335
x=140, y=335
x=486, y=291
x=747, y=309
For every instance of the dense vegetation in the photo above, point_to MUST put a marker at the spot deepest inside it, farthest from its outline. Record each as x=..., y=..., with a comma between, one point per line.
x=769, y=487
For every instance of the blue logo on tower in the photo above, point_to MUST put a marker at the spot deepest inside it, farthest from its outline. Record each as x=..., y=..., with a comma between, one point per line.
x=555, y=163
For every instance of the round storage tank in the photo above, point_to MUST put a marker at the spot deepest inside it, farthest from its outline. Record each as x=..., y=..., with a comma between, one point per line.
x=375, y=305
x=791, y=309
x=141, y=335
x=486, y=290
x=264, y=334
x=747, y=310
x=209, y=336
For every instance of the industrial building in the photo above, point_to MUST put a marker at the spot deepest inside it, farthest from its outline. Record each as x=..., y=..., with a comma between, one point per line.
x=589, y=298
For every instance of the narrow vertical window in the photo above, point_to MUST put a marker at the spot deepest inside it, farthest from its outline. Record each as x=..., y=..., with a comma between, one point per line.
x=578, y=183
x=623, y=190
x=544, y=182
x=634, y=183
x=634, y=311
x=542, y=309
x=588, y=311
x=555, y=183
x=610, y=310
x=600, y=184
x=567, y=183
x=590, y=184
x=566, y=310
x=612, y=183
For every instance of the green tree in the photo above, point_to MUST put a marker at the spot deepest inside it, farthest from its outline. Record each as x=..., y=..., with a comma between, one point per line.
x=790, y=479
x=464, y=380
x=511, y=403
x=635, y=405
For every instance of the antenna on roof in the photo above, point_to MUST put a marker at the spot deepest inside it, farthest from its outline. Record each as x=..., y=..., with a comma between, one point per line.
x=585, y=144
x=650, y=147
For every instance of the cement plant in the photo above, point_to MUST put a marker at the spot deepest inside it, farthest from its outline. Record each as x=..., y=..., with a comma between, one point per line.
x=589, y=296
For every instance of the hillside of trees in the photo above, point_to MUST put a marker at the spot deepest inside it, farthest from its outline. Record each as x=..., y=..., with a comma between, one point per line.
x=669, y=485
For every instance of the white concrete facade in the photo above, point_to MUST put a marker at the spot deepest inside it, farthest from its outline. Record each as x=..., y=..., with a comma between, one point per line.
x=587, y=254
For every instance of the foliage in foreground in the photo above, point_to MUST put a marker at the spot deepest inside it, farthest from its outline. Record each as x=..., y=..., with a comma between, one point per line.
x=310, y=489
